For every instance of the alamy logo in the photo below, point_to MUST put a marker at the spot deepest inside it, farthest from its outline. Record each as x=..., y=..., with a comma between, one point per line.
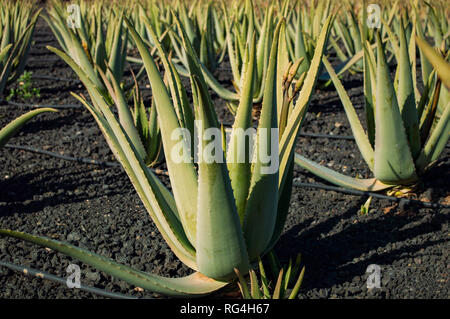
x=74, y=278
x=374, y=16
x=74, y=19
x=374, y=279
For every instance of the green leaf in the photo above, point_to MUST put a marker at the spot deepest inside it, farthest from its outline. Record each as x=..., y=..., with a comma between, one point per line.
x=239, y=150
x=358, y=131
x=261, y=210
x=192, y=285
x=182, y=173
x=220, y=245
x=254, y=286
x=442, y=67
x=393, y=160
x=297, y=285
x=436, y=142
x=405, y=96
x=12, y=128
x=370, y=184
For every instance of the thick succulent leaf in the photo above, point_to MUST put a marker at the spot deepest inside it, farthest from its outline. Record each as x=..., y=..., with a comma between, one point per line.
x=295, y=290
x=5, y=63
x=242, y=283
x=100, y=48
x=230, y=46
x=13, y=127
x=442, y=67
x=178, y=92
x=115, y=55
x=300, y=48
x=125, y=116
x=254, y=286
x=220, y=245
x=344, y=66
x=393, y=161
x=154, y=195
x=358, y=131
x=405, y=96
x=239, y=150
x=156, y=198
x=183, y=175
x=426, y=67
x=437, y=141
x=282, y=65
x=284, y=199
x=369, y=100
x=261, y=210
x=4, y=52
x=189, y=286
x=370, y=184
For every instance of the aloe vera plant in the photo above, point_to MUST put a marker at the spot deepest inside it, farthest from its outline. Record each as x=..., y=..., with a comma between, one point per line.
x=406, y=131
x=17, y=22
x=227, y=213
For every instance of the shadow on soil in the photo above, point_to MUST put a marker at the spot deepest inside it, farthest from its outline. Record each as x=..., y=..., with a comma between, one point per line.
x=334, y=254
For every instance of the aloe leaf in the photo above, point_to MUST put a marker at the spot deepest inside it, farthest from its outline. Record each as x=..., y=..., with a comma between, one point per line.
x=220, y=245
x=239, y=150
x=344, y=66
x=284, y=198
x=260, y=214
x=125, y=116
x=297, y=285
x=182, y=172
x=13, y=127
x=442, y=67
x=254, y=286
x=264, y=281
x=278, y=290
x=405, y=96
x=336, y=178
x=179, y=97
x=4, y=73
x=242, y=283
x=436, y=142
x=282, y=65
x=156, y=198
x=426, y=67
x=369, y=101
x=393, y=161
x=100, y=49
x=358, y=131
x=189, y=286
x=300, y=48
x=116, y=50
x=4, y=52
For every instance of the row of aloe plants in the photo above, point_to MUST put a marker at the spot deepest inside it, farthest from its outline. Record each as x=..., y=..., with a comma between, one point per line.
x=219, y=219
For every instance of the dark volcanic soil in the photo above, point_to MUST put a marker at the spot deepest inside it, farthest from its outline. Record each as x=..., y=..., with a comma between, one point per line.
x=97, y=208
